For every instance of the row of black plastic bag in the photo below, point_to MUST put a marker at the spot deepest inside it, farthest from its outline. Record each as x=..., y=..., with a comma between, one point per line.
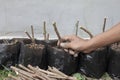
x=46, y=53
x=42, y=54
x=105, y=59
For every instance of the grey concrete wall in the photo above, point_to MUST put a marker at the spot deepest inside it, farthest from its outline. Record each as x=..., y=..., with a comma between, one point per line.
x=17, y=15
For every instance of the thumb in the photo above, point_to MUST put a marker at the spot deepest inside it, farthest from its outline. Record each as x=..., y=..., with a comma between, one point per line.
x=65, y=45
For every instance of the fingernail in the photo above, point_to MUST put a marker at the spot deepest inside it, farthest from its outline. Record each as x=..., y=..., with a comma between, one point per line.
x=71, y=52
x=75, y=55
x=66, y=50
x=62, y=44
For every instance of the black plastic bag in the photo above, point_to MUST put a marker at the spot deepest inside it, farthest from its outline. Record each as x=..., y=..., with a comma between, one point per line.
x=93, y=64
x=45, y=56
x=62, y=60
x=9, y=53
x=32, y=54
x=44, y=63
x=114, y=61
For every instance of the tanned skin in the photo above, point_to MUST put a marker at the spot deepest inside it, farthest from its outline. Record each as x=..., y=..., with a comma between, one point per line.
x=78, y=44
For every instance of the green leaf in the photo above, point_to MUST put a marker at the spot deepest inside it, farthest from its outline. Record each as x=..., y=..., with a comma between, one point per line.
x=79, y=76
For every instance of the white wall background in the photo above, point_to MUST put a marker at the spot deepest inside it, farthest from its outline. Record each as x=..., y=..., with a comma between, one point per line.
x=17, y=15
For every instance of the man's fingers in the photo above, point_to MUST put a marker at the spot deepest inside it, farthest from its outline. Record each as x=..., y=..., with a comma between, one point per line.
x=66, y=50
x=65, y=45
x=58, y=43
x=69, y=51
x=75, y=54
x=68, y=37
x=64, y=40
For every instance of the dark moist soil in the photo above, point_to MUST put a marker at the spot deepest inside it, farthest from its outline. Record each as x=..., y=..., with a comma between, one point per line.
x=93, y=64
x=47, y=42
x=114, y=61
x=43, y=42
x=62, y=60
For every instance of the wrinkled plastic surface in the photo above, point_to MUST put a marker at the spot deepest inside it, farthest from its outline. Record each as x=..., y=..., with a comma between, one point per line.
x=44, y=63
x=32, y=55
x=45, y=56
x=9, y=54
x=62, y=60
x=93, y=64
x=114, y=61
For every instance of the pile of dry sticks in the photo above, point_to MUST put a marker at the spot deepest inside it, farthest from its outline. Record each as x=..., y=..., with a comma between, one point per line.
x=35, y=73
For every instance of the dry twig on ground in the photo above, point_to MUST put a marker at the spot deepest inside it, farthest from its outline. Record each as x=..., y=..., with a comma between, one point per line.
x=35, y=73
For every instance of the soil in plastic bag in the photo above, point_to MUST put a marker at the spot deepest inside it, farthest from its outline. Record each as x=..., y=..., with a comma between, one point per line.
x=114, y=61
x=93, y=64
x=32, y=54
x=47, y=42
x=9, y=53
x=43, y=42
x=62, y=60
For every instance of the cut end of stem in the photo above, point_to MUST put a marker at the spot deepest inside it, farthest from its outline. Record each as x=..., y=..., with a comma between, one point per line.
x=54, y=24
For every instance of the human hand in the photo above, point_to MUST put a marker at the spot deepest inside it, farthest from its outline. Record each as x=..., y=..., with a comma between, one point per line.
x=75, y=43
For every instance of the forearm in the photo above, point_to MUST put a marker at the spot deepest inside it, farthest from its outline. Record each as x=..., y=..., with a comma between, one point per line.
x=106, y=38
